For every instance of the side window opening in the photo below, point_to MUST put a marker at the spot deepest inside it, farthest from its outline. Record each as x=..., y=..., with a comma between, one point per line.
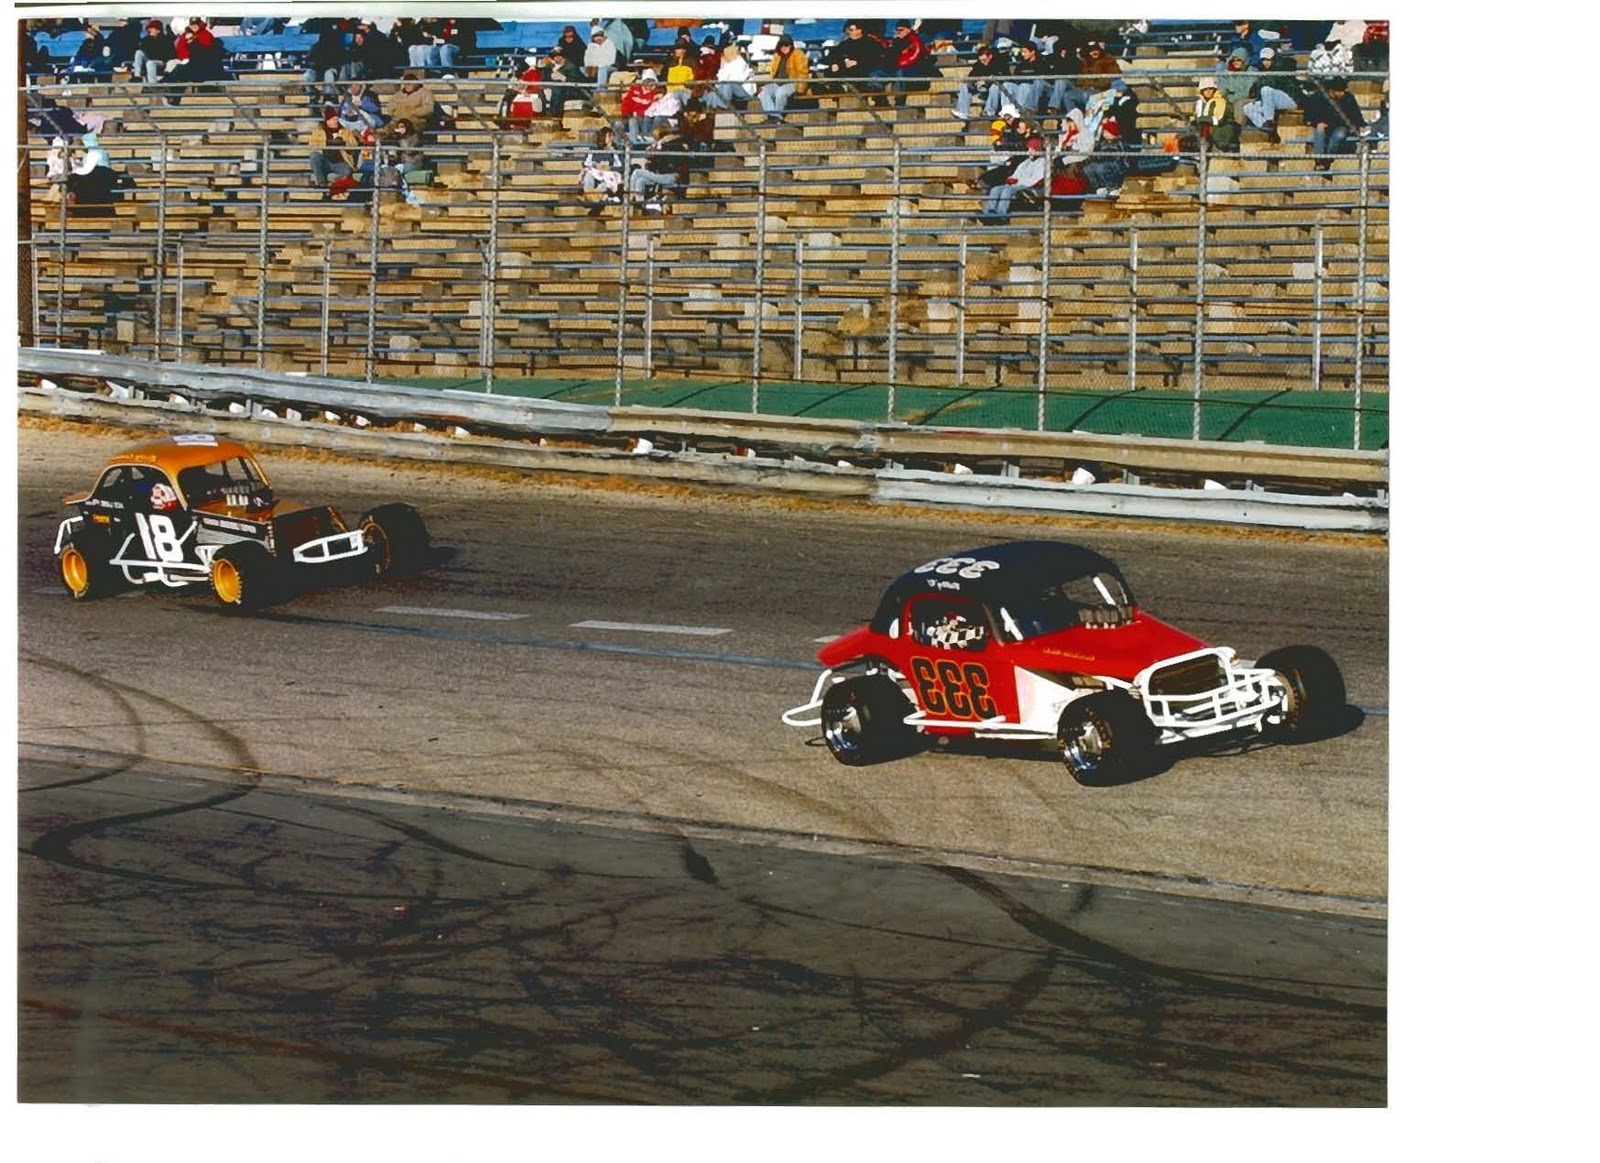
x=948, y=624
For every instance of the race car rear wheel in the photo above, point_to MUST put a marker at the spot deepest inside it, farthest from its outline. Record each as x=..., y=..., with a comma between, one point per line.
x=1315, y=691
x=86, y=569
x=397, y=539
x=244, y=576
x=1105, y=738
x=863, y=720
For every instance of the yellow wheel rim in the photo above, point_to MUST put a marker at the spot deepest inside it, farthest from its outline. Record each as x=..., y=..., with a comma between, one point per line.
x=226, y=582
x=75, y=570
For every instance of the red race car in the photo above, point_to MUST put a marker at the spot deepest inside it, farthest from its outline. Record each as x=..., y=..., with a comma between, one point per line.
x=1042, y=640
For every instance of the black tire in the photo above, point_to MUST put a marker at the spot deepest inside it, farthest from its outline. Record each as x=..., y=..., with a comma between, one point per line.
x=1316, y=692
x=397, y=540
x=863, y=720
x=245, y=577
x=1105, y=738
x=86, y=569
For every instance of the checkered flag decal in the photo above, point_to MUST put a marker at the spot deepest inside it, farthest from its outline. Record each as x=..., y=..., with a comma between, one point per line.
x=954, y=635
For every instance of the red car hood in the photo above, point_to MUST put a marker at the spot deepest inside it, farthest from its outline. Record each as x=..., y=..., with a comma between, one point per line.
x=1117, y=652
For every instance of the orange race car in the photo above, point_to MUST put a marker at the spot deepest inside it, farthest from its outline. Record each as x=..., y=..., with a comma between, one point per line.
x=197, y=509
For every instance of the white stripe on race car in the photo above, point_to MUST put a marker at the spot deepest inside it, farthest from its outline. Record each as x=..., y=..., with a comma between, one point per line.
x=443, y=612
x=651, y=628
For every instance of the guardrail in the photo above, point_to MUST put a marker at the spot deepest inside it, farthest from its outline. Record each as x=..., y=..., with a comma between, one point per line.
x=840, y=459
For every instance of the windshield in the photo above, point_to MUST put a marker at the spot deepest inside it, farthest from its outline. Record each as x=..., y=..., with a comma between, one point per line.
x=1098, y=599
x=208, y=482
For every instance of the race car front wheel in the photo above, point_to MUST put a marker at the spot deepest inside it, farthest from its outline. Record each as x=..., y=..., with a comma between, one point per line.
x=863, y=720
x=1105, y=738
x=1314, y=692
x=244, y=576
x=86, y=570
x=397, y=539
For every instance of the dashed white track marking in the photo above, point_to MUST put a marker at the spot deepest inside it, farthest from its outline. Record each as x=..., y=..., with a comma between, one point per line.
x=445, y=612
x=652, y=628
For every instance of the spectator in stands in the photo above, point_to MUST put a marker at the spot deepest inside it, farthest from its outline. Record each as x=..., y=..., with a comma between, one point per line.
x=1248, y=37
x=1379, y=129
x=788, y=70
x=1064, y=67
x=1078, y=133
x=92, y=61
x=735, y=81
x=1335, y=119
x=983, y=81
x=1122, y=110
x=36, y=59
x=201, y=55
x=1273, y=90
x=360, y=109
x=1331, y=58
x=600, y=58
x=663, y=169
x=1100, y=68
x=443, y=41
x=525, y=101
x=1372, y=54
x=262, y=25
x=55, y=120
x=619, y=36
x=329, y=62
x=564, y=81
x=601, y=176
x=1214, y=119
x=415, y=102
x=913, y=61
x=1026, y=88
x=680, y=69
x=1235, y=79
x=157, y=52
x=569, y=46
x=407, y=34
x=123, y=40
x=1029, y=173
x=706, y=64
x=636, y=124
x=1069, y=185
x=374, y=55
x=331, y=149
x=92, y=183
x=860, y=61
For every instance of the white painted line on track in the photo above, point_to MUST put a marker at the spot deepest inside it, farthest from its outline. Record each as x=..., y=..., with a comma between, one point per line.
x=651, y=628
x=827, y=638
x=445, y=612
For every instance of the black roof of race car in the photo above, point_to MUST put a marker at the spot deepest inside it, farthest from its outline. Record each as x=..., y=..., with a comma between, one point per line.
x=1020, y=568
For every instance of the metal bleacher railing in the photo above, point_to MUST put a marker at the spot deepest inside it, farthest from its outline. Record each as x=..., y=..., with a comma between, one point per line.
x=830, y=267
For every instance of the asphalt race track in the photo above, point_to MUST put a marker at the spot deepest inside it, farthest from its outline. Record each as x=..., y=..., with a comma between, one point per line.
x=527, y=828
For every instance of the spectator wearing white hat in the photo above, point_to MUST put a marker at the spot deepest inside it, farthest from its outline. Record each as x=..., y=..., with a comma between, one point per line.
x=600, y=58
x=636, y=124
x=1273, y=90
x=1214, y=118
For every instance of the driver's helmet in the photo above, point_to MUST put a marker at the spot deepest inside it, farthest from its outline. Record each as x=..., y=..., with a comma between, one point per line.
x=953, y=630
x=163, y=497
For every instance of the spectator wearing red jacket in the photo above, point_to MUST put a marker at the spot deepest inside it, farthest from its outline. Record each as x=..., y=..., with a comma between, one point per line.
x=636, y=100
x=913, y=59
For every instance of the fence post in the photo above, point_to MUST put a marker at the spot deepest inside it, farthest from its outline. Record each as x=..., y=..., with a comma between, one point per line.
x=1316, y=314
x=622, y=271
x=491, y=272
x=177, y=308
x=894, y=273
x=1044, y=288
x=1365, y=148
x=61, y=270
x=761, y=270
x=961, y=311
x=1133, y=309
x=161, y=242
x=372, y=260
x=1200, y=291
x=799, y=306
x=261, y=260
x=650, y=308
